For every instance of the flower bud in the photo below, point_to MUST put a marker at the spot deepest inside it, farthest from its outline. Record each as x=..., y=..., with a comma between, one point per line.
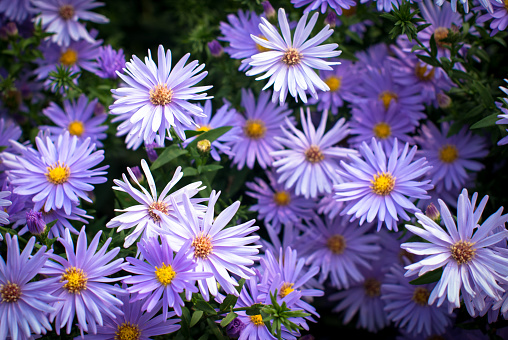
x=234, y=328
x=9, y=30
x=215, y=48
x=268, y=8
x=204, y=146
x=35, y=222
x=331, y=19
x=137, y=172
x=443, y=100
x=150, y=151
x=432, y=213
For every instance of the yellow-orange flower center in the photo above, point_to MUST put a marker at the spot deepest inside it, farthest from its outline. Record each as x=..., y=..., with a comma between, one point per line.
x=257, y=320
x=286, y=289
x=69, y=57
x=382, y=130
x=506, y=4
x=386, y=97
x=262, y=48
x=313, y=154
x=336, y=244
x=254, y=128
x=159, y=206
x=372, y=287
x=423, y=73
x=292, y=57
x=421, y=296
x=204, y=128
x=448, y=153
x=76, y=280
x=161, y=95
x=281, y=198
x=127, y=331
x=383, y=183
x=66, y=12
x=165, y=274
x=463, y=251
x=202, y=246
x=10, y=292
x=76, y=128
x=58, y=173
x=333, y=83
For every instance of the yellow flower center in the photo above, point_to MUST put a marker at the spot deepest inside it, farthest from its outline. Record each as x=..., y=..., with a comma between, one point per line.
x=76, y=280
x=382, y=130
x=66, y=12
x=313, y=154
x=421, y=296
x=161, y=95
x=204, y=128
x=202, y=246
x=10, y=292
x=333, y=83
x=336, y=244
x=386, y=97
x=383, y=183
x=69, y=57
x=439, y=34
x=257, y=320
x=463, y=251
x=448, y=153
x=292, y=57
x=76, y=128
x=58, y=173
x=127, y=331
x=281, y=198
x=422, y=73
x=262, y=48
x=372, y=287
x=286, y=289
x=254, y=128
x=506, y=4
x=159, y=206
x=165, y=274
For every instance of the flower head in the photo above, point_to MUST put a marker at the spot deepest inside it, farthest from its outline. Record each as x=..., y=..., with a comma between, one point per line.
x=17, y=10
x=312, y=5
x=109, y=61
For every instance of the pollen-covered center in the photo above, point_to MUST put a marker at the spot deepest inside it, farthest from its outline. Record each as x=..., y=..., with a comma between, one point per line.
x=10, y=292
x=165, y=274
x=127, y=331
x=76, y=128
x=202, y=246
x=76, y=280
x=386, y=97
x=286, y=289
x=333, y=83
x=423, y=73
x=257, y=320
x=161, y=95
x=506, y=4
x=262, y=48
x=439, y=34
x=159, y=206
x=313, y=154
x=66, y=12
x=462, y=251
x=336, y=244
x=382, y=130
x=58, y=173
x=372, y=287
x=448, y=153
x=383, y=183
x=69, y=57
x=292, y=57
x=204, y=128
x=254, y=128
x=421, y=296
x=281, y=198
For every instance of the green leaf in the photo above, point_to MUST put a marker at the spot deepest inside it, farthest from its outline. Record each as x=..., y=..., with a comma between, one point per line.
x=192, y=133
x=215, y=329
x=230, y=300
x=432, y=276
x=210, y=135
x=196, y=317
x=240, y=285
x=205, y=307
x=486, y=122
x=254, y=309
x=210, y=167
x=230, y=317
x=428, y=60
x=167, y=156
x=189, y=172
x=203, y=337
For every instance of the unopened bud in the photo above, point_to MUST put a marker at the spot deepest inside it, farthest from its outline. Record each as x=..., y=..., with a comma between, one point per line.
x=35, y=222
x=331, y=19
x=150, y=151
x=99, y=109
x=443, y=100
x=137, y=172
x=234, y=328
x=432, y=213
x=204, y=146
x=9, y=30
x=268, y=8
x=215, y=48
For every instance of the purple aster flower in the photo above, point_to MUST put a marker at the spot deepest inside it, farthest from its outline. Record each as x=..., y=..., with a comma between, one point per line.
x=329, y=206
x=8, y=130
x=20, y=204
x=382, y=185
x=132, y=323
x=371, y=119
x=498, y=11
x=374, y=57
x=24, y=303
x=4, y=216
x=83, y=283
x=340, y=250
x=450, y=157
x=164, y=277
x=61, y=17
x=225, y=116
x=153, y=212
x=157, y=96
x=309, y=162
x=215, y=249
x=17, y=10
x=291, y=237
x=407, y=305
x=463, y=250
x=58, y=174
x=343, y=82
x=275, y=204
x=260, y=125
x=465, y=3
x=109, y=61
x=503, y=117
x=313, y=5
x=290, y=63
x=76, y=117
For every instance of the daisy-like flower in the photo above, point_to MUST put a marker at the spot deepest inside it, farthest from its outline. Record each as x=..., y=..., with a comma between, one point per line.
x=109, y=61
x=313, y=5
x=58, y=174
x=408, y=307
x=450, y=157
x=260, y=125
x=290, y=63
x=275, y=204
x=83, y=283
x=8, y=130
x=463, y=250
x=17, y=10
x=24, y=304
x=215, y=249
x=309, y=162
x=503, y=117
x=61, y=17
x=381, y=186
x=157, y=96
x=77, y=118
x=163, y=277
x=4, y=216
x=498, y=12
x=153, y=212
x=340, y=250
x=133, y=324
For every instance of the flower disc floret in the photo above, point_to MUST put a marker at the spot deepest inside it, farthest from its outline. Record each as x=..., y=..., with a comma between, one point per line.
x=127, y=331
x=257, y=320
x=421, y=296
x=58, y=173
x=282, y=198
x=448, y=153
x=336, y=243
x=383, y=183
x=76, y=128
x=254, y=128
x=75, y=280
x=10, y=292
x=382, y=130
x=203, y=246
x=165, y=274
x=463, y=251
